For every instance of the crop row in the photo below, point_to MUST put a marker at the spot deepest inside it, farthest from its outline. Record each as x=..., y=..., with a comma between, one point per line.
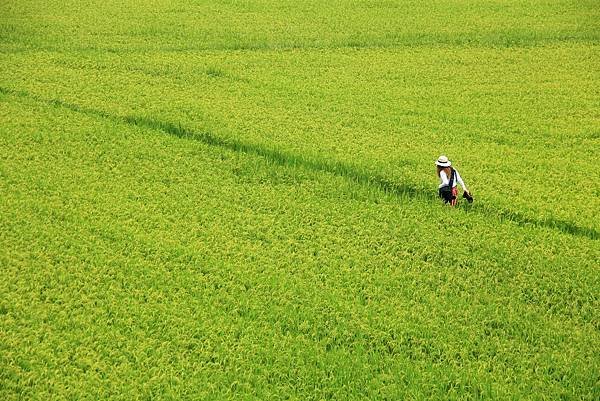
x=259, y=25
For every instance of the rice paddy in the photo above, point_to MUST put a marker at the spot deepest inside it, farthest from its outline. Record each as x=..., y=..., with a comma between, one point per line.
x=237, y=200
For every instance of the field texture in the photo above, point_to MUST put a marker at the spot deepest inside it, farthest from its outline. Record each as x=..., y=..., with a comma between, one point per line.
x=237, y=200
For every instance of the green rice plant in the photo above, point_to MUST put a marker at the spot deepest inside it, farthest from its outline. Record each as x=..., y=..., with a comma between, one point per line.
x=225, y=200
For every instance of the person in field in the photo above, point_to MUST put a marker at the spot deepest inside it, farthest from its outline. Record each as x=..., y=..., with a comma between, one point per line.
x=449, y=178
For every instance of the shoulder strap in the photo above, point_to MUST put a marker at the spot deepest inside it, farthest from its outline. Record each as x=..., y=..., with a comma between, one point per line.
x=452, y=176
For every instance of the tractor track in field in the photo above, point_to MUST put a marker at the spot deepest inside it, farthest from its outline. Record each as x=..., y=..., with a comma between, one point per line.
x=282, y=158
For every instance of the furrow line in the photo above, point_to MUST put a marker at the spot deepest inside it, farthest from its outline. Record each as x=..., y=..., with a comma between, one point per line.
x=279, y=157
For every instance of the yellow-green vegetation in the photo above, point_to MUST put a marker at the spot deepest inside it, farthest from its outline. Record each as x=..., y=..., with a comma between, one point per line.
x=237, y=200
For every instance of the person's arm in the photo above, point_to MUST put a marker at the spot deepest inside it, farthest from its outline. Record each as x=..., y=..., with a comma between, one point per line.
x=461, y=182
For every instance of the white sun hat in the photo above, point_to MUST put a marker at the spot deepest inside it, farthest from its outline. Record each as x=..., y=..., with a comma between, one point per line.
x=443, y=161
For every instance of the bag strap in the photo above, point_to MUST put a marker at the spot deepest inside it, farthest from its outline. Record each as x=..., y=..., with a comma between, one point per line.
x=452, y=175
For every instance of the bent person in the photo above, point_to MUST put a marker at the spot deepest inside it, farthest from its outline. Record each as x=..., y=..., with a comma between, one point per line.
x=449, y=178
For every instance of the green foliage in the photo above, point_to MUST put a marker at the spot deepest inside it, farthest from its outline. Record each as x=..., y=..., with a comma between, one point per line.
x=235, y=200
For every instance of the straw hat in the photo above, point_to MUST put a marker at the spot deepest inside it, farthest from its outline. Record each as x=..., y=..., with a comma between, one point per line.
x=443, y=161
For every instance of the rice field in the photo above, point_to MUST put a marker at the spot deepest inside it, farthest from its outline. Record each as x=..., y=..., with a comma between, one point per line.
x=237, y=200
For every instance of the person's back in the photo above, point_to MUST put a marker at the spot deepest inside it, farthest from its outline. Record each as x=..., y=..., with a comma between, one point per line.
x=449, y=178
